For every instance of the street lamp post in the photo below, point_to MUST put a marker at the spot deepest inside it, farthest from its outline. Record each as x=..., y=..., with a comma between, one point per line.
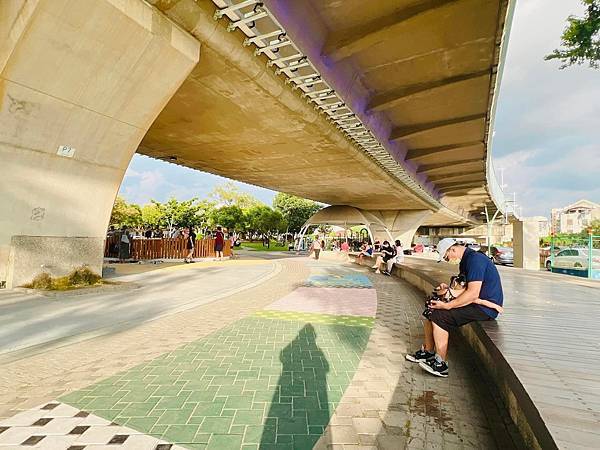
x=590, y=249
x=489, y=222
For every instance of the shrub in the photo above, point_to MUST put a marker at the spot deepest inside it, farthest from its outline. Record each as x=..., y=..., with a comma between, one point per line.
x=82, y=276
x=79, y=277
x=41, y=281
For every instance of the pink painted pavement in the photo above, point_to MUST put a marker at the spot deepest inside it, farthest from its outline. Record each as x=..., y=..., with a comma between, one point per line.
x=349, y=302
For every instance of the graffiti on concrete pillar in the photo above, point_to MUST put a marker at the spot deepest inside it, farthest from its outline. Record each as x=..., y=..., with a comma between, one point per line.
x=18, y=106
x=37, y=214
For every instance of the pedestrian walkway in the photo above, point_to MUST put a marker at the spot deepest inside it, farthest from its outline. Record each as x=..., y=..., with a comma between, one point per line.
x=32, y=322
x=292, y=364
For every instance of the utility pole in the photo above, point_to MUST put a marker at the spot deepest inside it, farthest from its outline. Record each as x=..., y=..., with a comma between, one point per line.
x=489, y=223
x=502, y=185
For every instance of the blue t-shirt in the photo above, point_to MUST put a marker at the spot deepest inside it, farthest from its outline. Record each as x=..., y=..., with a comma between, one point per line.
x=476, y=266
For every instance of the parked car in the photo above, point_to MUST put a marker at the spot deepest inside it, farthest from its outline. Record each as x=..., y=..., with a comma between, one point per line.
x=502, y=255
x=574, y=258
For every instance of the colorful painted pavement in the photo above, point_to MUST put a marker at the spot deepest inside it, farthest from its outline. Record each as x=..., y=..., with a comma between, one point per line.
x=348, y=280
x=269, y=381
x=350, y=301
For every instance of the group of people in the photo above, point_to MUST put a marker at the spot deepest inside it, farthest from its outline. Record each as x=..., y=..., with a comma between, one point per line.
x=319, y=244
x=190, y=243
x=124, y=238
x=390, y=254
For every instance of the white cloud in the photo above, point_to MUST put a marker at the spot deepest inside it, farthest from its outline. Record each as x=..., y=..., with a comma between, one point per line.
x=147, y=179
x=552, y=182
x=548, y=120
x=515, y=159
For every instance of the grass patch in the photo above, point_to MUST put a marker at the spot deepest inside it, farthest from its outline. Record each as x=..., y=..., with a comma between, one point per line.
x=77, y=278
x=259, y=247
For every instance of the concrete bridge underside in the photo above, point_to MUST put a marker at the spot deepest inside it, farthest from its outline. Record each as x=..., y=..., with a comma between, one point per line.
x=84, y=84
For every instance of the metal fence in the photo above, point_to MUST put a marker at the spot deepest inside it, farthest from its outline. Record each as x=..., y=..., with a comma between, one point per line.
x=164, y=248
x=575, y=256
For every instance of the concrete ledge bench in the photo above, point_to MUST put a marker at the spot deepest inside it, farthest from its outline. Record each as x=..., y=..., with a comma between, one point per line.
x=553, y=404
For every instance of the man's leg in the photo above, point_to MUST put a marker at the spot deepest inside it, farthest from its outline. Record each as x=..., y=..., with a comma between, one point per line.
x=440, y=338
x=429, y=341
x=437, y=365
x=427, y=349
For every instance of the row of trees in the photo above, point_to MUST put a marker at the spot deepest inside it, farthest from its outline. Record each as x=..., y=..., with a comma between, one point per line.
x=567, y=239
x=226, y=205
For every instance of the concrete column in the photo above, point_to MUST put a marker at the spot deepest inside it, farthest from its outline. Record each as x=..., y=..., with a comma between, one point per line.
x=526, y=249
x=401, y=224
x=81, y=81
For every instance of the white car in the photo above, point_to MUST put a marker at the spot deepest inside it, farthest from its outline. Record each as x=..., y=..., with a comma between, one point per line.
x=574, y=258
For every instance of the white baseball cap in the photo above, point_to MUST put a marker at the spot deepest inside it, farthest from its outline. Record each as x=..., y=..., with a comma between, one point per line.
x=443, y=247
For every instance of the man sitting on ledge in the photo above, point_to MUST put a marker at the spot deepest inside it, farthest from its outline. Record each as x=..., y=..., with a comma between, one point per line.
x=483, y=283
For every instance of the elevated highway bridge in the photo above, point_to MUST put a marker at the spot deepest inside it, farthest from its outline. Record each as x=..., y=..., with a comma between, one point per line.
x=384, y=106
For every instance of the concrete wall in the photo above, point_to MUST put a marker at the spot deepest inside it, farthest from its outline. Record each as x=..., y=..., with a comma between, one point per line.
x=526, y=247
x=400, y=224
x=54, y=255
x=91, y=75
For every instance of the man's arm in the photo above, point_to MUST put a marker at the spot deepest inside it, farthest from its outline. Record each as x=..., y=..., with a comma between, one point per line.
x=467, y=297
x=441, y=288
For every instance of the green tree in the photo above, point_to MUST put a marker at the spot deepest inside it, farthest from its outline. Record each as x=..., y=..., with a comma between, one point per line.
x=228, y=194
x=581, y=39
x=595, y=228
x=175, y=213
x=264, y=220
x=230, y=217
x=152, y=215
x=295, y=210
x=126, y=214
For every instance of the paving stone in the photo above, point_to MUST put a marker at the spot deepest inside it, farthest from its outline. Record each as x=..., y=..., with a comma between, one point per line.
x=235, y=375
x=216, y=425
x=224, y=442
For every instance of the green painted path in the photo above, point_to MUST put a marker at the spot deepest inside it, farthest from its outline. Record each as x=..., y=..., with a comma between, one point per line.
x=265, y=382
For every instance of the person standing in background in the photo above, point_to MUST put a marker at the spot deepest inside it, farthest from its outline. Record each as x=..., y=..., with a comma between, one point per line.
x=219, y=243
x=124, y=245
x=316, y=247
x=190, y=245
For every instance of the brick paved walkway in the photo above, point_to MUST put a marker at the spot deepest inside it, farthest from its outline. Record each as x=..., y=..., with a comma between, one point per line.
x=257, y=370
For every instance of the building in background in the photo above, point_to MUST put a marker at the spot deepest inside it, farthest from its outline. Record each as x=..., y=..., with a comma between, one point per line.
x=544, y=225
x=575, y=218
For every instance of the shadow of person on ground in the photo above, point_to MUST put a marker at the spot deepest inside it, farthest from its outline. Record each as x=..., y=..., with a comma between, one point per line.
x=299, y=409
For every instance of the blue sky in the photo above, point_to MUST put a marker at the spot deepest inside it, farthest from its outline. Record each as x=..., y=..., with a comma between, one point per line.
x=148, y=178
x=547, y=129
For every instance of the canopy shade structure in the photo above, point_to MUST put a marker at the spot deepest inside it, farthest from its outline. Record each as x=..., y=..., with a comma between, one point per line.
x=344, y=216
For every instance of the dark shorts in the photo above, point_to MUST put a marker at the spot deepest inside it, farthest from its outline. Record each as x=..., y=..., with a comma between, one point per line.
x=450, y=319
x=218, y=247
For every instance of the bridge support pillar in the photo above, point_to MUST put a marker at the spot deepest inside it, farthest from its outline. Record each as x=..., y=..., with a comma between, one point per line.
x=526, y=248
x=81, y=81
x=400, y=224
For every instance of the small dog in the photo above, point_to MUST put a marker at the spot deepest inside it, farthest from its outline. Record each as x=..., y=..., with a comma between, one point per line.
x=455, y=287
